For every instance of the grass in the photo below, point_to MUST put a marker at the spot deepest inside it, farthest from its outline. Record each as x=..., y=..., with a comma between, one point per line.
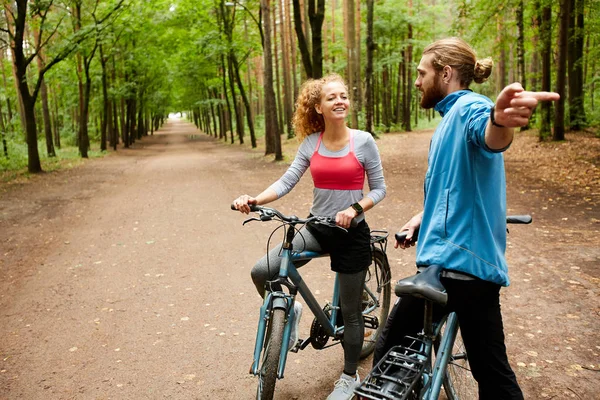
x=15, y=166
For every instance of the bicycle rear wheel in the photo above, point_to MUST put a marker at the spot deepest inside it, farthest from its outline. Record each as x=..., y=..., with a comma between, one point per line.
x=376, y=300
x=267, y=376
x=458, y=381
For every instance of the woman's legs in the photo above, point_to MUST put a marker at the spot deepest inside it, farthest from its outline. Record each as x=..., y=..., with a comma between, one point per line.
x=351, y=288
x=267, y=268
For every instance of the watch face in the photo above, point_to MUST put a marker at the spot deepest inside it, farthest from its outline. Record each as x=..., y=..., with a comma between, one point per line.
x=357, y=207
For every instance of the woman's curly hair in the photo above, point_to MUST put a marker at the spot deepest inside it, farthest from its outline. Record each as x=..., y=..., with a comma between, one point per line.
x=306, y=120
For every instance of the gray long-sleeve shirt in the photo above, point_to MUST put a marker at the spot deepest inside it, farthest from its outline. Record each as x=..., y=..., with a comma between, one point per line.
x=328, y=202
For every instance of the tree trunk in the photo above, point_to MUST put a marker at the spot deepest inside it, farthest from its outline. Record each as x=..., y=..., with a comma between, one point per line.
x=577, y=118
x=106, y=117
x=288, y=108
x=409, y=83
x=501, y=66
x=2, y=135
x=369, y=69
x=245, y=100
x=28, y=101
x=521, y=49
x=352, y=59
x=239, y=121
x=302, y=43
x=226, y=96
x=561, y=70
x=386, y=108
x=272, y=136
x=44, y=94
x=546, y=55
x=276, y=72
x=316, y=17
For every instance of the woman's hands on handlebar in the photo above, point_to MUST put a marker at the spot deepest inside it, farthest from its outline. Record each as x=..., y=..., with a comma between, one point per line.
x=344, y=218
x=242, y=203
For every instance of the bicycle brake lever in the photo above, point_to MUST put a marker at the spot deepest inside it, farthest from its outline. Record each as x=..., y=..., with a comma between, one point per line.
x=250, y=220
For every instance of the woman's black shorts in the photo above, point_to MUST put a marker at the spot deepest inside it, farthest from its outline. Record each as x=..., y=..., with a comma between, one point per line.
x=350, y=252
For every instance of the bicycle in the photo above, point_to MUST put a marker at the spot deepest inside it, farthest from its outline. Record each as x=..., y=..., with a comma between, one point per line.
x=419, y=367
x=277, y=311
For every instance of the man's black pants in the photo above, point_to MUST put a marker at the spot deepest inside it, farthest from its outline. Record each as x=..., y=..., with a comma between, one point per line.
x=477, y=305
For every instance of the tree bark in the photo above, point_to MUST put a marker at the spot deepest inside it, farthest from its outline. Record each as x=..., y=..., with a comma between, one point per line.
x=352, y=59
x=44, y=95
x=409, y=84
x=272, y=136
x=577, y=118
x=369, y=68
x=521, y=49
x=288, y=108
x=546, y=54
x=561, y=70
x=302, y=44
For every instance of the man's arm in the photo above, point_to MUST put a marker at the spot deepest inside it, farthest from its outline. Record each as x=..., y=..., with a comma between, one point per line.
x=513, y=109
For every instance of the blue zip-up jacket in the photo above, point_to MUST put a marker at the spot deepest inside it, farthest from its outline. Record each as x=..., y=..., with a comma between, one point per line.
x=464, y=214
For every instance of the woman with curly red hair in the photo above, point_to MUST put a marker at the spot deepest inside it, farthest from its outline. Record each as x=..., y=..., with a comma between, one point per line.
x=339, y=158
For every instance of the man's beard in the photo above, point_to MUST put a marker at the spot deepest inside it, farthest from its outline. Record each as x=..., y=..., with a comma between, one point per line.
x=432, y=96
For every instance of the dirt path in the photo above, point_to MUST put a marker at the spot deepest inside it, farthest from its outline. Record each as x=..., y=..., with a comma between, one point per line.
x=128, y=278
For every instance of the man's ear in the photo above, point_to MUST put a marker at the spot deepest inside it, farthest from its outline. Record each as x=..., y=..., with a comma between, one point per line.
x=447, y=74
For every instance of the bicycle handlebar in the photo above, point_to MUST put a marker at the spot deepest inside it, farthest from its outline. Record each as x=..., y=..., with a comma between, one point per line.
x=268, y=213
x=510, y=219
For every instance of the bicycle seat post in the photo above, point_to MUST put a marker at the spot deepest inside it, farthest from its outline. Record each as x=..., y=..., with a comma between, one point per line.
x=428, y=319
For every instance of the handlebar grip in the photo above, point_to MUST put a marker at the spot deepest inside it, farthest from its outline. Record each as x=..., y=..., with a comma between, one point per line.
x=353, y=223
x=253, y=207
x=401, y=236
x=518, y=219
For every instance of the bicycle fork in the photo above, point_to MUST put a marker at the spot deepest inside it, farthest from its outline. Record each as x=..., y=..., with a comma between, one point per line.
x=273, y=301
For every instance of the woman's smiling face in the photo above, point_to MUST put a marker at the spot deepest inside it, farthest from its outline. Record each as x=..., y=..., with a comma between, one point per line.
x=334, y=101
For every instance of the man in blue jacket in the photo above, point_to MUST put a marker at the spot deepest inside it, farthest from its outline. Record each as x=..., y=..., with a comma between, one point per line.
x=463, y=223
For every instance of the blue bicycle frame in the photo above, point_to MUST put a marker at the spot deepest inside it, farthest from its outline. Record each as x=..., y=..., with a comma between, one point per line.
x=280, y=299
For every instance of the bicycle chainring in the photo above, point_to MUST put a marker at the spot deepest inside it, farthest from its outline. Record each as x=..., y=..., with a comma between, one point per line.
x=318, y=335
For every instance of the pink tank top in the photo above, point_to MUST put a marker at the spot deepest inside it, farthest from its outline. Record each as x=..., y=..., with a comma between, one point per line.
x=337, y=173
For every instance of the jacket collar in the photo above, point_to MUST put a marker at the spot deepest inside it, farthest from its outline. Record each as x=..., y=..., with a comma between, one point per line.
x=444, y=105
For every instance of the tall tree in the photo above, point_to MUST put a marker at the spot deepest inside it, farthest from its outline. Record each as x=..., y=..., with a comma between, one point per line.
x=18, y=12
x=561, y=70
x=546, y=55
x=577, y=118
x=272, y=135
x=353, y=66
x=369, y=106
x=313, y=64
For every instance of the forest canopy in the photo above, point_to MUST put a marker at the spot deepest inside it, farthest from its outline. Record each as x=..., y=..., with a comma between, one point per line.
x=93, y=75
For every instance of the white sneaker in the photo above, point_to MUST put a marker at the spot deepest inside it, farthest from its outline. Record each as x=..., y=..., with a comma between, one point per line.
x=344, y=388
x=294, y=335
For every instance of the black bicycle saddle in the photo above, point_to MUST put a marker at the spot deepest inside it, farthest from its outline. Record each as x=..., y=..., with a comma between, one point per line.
x=425, y=284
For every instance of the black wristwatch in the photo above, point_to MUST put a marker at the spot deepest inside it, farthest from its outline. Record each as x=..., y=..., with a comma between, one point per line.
x=358, y=208
x=492, y=117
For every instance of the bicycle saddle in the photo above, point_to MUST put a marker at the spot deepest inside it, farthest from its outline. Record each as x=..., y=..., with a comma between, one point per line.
x=425, y=284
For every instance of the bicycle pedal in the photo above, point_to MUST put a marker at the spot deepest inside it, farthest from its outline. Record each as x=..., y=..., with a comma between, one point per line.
x=300, y=345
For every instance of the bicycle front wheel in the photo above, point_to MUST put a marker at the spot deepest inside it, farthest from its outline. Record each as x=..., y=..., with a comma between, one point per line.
x=267, y=376
x=458, y=380
x=376, y=300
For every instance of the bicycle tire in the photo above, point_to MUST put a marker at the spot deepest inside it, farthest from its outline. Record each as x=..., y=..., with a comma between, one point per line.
x=378, y=280
x=458, y=380
x=267, y=376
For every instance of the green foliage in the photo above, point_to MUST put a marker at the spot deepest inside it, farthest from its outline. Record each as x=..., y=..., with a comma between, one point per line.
x=16, y=164
x=167, y=55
